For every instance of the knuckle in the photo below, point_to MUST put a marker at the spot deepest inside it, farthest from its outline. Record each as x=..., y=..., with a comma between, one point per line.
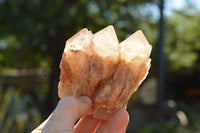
x=68, y=103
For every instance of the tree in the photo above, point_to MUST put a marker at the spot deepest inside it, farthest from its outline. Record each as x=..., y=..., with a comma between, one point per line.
x=33, y=33
x=183, y=45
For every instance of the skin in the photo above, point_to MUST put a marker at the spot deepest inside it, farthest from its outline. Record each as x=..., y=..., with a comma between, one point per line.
x=70, y=109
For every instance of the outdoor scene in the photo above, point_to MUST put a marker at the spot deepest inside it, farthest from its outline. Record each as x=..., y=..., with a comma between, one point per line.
x=32, y=39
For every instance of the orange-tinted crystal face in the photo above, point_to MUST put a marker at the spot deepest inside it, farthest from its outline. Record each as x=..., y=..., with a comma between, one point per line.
x=97, y=66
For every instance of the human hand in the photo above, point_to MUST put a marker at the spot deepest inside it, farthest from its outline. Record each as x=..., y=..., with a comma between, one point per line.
x=70, y=109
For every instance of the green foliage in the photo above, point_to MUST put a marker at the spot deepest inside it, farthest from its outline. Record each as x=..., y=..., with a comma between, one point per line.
x=182, y=43
x=33, y=34
x=30, y=30
x=159, y=128
x=173, y=124
x=15, y=115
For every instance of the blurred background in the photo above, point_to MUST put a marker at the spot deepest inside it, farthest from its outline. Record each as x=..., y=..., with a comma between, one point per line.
x=33, y=35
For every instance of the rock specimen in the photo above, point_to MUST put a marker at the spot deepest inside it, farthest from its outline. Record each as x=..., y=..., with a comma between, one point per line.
x=97, y=66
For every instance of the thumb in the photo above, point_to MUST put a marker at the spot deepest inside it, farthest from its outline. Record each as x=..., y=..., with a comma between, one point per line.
x=68, y=110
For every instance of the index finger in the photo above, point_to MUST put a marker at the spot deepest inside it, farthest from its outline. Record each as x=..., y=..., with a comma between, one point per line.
x=87, y=124
x=119, y=122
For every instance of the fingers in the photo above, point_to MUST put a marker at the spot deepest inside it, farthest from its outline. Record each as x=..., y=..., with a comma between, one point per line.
x=68, y=110
x=87, y=125
x=103, y=127
x=119, y=122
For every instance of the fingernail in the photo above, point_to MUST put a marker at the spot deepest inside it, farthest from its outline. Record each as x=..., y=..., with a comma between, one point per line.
x=85, y=99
